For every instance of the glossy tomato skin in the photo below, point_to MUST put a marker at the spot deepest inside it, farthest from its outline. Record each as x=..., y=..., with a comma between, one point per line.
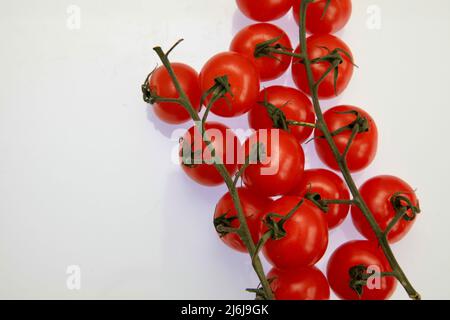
x=281, y=168
x=304, y=283
x=227, y=148
x=329, y=186
x=335, y=18
x=161, y=83
x=242, y=77
x=245, y=42
x=307, y=235
x=253, y=207
x=317, y=45
x=377, y=193
x=264, y=10
x=295, y=105
x=364, y=147
x=353, y=254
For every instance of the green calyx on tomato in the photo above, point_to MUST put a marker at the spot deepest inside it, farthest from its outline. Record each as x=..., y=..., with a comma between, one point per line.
x=301, y=283
x=360, y=124
x=160, y=91
x=331, y=66
x=223, y=223
x=354, y=265
x=264, y=10
x=394, y=205
x=404, y=207
x=355, y=135
x=284, y=108
x=219, y=90
x=284, y=165
x=227, y=223
x=264, y=45
x=277, y=115
x=192, y=158
x=305, y=234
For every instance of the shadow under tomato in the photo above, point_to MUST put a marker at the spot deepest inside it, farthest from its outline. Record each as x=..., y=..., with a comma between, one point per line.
x=192, y=253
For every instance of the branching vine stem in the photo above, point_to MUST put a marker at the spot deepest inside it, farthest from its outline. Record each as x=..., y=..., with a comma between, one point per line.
x=340, y=158
x=243, y=230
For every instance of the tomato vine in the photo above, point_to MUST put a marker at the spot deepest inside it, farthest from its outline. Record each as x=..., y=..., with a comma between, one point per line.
x=274, y=222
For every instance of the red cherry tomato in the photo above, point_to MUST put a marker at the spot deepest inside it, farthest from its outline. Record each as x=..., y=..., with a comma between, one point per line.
x=335, y=18
x=295, y=106
x=364, y=147
x=377, y=193
x=330, y=187
x=281, y=163
x=253, y=207
x=306, y=237
x=319, y=46
x=264, y=10
x=304, y=283
x=242, y=77
x=198, y=162
x=269, y=67
x=359, y=253
x=161, y=84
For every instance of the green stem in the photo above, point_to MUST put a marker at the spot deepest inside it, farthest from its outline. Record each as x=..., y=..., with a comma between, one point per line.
x=300, y=124
x=350, y=141
x=381, y=236
x=337, y=201
x=394, y=222
x=243, y=230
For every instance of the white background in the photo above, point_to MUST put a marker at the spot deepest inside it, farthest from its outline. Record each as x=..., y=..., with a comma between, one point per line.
x=86, y=176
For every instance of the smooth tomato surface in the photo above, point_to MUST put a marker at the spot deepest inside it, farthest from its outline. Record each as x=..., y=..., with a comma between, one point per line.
x=264, y=10
x=319, y=46
x=353, y=254
x=281, y=166
x=294, y=104
x=307, y=235
x=247, y=39
x=377, y=193
x=330, y=187
x=304, y=283
x=364, y=147
x=253, y=207
x=199, y=165
x=335, y=18
x=242, y=77
x=161, y=84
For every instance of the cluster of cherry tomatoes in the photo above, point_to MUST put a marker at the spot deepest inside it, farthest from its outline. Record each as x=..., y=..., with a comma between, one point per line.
x=282, y=114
